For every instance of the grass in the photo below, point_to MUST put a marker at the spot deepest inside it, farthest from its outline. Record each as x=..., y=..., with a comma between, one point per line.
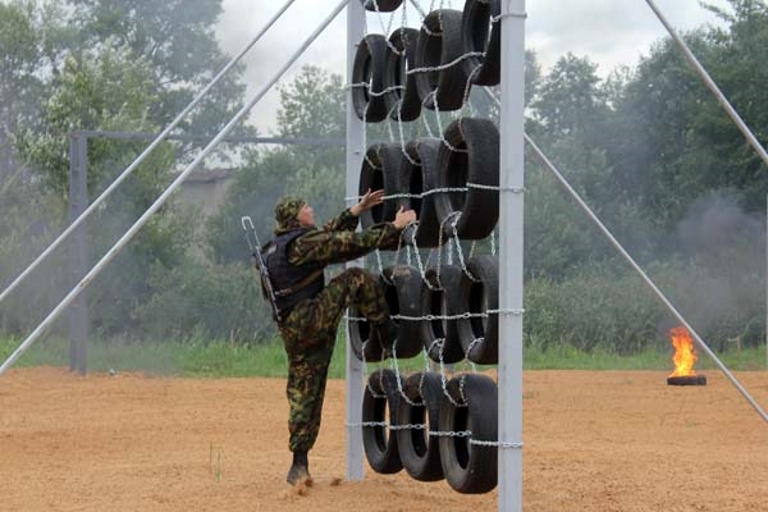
x=222, y=359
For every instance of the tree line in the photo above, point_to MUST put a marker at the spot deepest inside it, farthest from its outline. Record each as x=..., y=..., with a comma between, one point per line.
x=648, y=148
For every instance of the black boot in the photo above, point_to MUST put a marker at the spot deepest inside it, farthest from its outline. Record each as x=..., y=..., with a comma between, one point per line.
x=299, y=469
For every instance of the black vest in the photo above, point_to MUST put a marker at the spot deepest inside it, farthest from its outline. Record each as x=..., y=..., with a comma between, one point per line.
x=285, y=276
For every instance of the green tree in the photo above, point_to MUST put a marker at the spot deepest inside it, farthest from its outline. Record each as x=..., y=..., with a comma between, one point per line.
x=176, y=38
x=112, y=92
x=312, y=106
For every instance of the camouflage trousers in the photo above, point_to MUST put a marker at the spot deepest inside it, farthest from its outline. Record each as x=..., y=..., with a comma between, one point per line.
x=309, y=336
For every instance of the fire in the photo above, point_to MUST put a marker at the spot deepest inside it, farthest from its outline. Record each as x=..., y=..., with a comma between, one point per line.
x=685, y=355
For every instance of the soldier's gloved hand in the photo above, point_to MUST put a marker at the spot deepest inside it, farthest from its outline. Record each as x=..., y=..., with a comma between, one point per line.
x=368, y=201
x=403, y=217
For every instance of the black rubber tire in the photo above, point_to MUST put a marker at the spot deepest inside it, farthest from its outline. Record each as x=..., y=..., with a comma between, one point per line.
x=380, y=443
x=368, y=67
x=479, y=165
x=402, y=289
x=442, y=300
x=422, y=178
x=401, y=56
x=383, y=5
x=443, y=46
x=470, y=468
x=687, y=380
x=360, y=339
x=475, y=25
x=381, y=170
x=477, y=297
x=420, y=452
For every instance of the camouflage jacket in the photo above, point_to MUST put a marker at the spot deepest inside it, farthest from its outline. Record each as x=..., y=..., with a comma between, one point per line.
x=338, y=242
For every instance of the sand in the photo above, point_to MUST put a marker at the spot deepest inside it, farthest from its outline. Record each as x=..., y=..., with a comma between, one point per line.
x=593, y=441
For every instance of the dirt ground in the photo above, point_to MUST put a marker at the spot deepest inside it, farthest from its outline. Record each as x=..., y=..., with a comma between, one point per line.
x=594, y=441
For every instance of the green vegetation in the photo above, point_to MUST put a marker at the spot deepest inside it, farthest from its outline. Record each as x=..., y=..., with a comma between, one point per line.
x=647, y=147
x=222, y=359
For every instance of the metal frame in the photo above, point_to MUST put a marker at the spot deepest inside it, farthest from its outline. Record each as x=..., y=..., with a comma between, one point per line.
x=355, y=153
x=511, y=215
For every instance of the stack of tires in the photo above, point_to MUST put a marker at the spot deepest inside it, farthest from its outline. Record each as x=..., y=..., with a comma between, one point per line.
x=429, y=425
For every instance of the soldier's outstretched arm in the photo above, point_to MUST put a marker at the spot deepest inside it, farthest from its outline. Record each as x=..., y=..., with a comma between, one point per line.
x=347, y=220
x=326, y=247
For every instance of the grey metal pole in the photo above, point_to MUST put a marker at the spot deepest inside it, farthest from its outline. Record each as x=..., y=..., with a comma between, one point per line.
x=78, y=317
x=711, y=84
x=163, y=197
x=766, y=281
x=511, y=181
x=355, y=151
x=138, y=160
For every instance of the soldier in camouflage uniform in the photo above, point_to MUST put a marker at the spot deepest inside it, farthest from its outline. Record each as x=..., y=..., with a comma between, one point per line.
x=310, y=310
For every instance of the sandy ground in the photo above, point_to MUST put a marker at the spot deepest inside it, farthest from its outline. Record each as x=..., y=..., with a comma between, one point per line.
x=594, y=441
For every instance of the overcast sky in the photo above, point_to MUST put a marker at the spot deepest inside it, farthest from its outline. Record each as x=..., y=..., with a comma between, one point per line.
x=610, y=32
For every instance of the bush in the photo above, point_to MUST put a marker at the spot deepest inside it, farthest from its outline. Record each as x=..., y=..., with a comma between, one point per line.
x=207, y=301
x=595, y=308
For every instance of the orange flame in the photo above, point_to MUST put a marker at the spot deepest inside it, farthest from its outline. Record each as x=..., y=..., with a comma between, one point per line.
x=685, y=355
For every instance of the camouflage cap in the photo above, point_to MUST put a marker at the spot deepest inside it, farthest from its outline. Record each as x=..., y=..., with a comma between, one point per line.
x=287, y=213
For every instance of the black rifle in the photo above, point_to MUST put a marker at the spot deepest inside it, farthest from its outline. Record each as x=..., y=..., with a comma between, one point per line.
x=261, y=265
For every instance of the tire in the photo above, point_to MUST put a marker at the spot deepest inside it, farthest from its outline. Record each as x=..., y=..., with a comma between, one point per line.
x=475, y=23
x=360, y=340
x=478, y=165
x=381, y=170
x=402, y=290
x=383, y=5
x=402, y=105
x=420, y=452
x=470, y=468
x=380, y=443
x=442, y=300
x=422, y=177
x=440, y=43
x=478, y=297
x=368, y=68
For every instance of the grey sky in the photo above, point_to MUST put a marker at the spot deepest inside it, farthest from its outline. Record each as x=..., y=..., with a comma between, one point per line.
x=610, y=32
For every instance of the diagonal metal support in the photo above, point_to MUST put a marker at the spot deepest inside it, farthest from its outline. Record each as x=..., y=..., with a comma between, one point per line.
x=77, y=221
x=123, y=241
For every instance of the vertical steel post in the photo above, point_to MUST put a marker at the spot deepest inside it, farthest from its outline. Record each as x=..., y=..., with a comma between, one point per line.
x=511, y=182
x=78, y=316
x=355, y=149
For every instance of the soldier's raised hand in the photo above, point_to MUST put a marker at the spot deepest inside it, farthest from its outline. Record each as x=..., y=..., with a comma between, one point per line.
x=368, y=201
x=403, y=217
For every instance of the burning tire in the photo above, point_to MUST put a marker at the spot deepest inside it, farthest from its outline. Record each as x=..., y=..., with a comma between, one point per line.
x=687, y=380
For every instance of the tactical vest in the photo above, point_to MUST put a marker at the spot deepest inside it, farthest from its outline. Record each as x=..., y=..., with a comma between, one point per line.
x=288, y=280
